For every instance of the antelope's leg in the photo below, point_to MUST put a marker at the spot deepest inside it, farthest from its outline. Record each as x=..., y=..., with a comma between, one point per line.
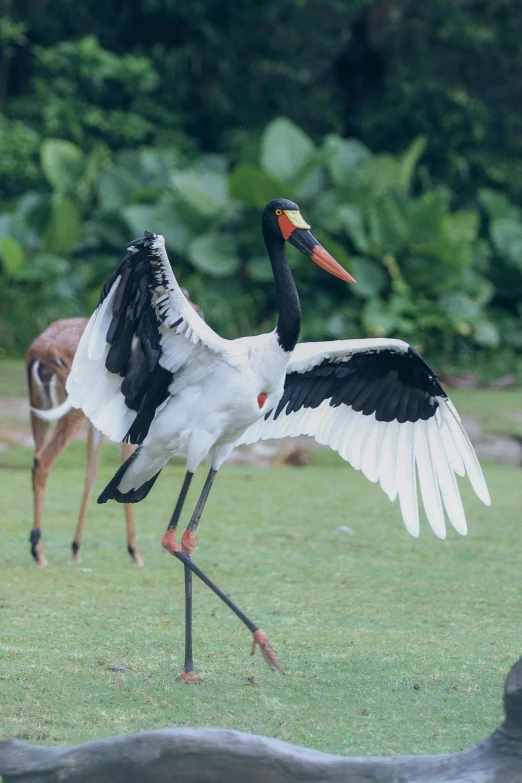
x=132, y=547
x=65, y=430
x=184, y=554
x=94, y=440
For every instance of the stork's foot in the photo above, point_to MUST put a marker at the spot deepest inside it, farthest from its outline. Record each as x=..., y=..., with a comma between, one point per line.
x=190, y=678
x=266, y=651
x=75, y=556
x=170, y=542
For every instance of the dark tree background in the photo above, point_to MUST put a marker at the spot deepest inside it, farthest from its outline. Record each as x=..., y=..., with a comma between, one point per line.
x=200, y=82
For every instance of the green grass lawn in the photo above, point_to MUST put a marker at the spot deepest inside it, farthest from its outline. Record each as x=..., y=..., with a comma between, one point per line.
x=13, y=380
x=498, y=412
x=392, y=645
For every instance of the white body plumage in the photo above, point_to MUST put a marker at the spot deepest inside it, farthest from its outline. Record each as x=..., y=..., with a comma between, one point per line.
x=212, y=397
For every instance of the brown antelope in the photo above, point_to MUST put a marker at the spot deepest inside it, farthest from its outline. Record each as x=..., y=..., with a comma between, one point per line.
x=48, y=362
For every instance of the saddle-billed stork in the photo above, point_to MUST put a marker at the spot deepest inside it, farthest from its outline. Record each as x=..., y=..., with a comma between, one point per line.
x=149, y=370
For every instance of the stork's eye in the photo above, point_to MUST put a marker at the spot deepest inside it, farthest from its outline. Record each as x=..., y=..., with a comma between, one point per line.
x=279, y=211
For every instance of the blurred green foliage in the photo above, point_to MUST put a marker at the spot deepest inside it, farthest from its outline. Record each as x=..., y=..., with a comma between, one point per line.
x=451, y=70
x=185, y=119
x=426, y=271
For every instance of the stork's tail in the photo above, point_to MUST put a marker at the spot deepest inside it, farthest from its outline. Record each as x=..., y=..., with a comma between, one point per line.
x=53, y=414
x=132, y=495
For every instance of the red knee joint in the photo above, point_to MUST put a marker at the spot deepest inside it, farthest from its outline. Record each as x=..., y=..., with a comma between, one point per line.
x=169, y=542
x=260, y=638
x=188, y=542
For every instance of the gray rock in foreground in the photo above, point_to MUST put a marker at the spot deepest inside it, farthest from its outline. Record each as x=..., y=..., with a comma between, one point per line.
x=221, y=756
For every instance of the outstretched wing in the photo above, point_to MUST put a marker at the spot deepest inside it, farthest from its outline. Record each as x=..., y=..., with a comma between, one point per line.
x=382, y=408
x=142, y=333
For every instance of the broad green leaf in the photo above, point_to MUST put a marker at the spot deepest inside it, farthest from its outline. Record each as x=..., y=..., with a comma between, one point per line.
x=211, y=161
x=177, y=231
x=483, y=255
x=285, y=149
x=205, y=191
x=343, y=158
x=378, y=319
x=486, y=333
x=395, y=226
x=308, y=183
x=370, y=276
x=109, y=231
x=116, y=187
x=140, y=218
x=260, y=269
x=463, y=226
x=478, y=287
x=341, y=323
x=512, y=334
x=459, y=306
x=409, y=160
x=33, y=211
x=507, y=238
x=497, y=205
x=387, y=227
x=6, y=222
x=13, y=256
x=62, y=163
x=63, y=231
x=425, y=217
x=46, y=266
x=158, y=165
x=327, y=208
x=97, y=160
x=380, y=175
x=214, y=254
x=352, y=220
x=253, y=186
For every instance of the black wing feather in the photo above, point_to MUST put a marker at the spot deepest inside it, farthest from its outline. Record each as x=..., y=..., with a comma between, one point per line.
x=391, y=384
x=134, y=336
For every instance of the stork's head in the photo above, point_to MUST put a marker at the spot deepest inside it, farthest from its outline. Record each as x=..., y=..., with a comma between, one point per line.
x=282, y=219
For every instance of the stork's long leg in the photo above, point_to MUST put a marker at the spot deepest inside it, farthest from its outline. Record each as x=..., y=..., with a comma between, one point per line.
x=260, y=637
x=170, y=543
x=188, y=541
x=179, y=506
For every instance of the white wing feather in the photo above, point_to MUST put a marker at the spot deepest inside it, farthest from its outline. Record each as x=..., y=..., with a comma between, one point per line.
x=390, y=453
x=185, y=339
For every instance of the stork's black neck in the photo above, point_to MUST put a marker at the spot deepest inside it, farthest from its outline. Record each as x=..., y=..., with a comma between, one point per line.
x=289, y=323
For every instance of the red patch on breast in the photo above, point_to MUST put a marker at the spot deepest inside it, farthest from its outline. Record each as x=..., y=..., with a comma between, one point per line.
x=261, y=399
